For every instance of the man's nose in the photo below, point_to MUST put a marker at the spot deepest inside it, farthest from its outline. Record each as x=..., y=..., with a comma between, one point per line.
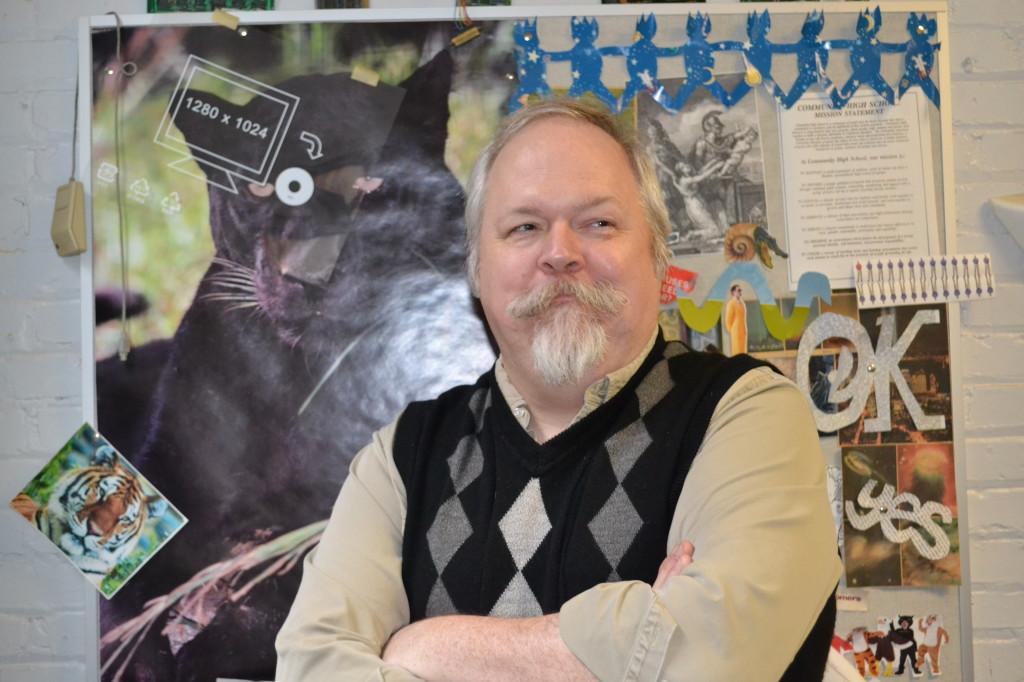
x=561, y=252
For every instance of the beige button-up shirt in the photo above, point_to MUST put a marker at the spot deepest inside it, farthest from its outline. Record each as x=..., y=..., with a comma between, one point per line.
x=754, y=504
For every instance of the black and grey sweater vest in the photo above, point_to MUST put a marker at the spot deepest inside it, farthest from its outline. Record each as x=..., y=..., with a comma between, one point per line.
x=498, y=524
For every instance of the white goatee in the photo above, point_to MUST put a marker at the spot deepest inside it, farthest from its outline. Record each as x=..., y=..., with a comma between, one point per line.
x=569, y=338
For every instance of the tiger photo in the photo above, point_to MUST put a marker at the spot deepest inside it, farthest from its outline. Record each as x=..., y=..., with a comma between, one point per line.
x=91, y=504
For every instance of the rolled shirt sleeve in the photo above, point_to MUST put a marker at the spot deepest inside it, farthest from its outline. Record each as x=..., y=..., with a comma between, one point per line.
x=755, y=507
x=351, y=599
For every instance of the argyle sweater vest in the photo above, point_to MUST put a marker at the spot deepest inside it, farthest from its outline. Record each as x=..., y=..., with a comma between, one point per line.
x=498, y=524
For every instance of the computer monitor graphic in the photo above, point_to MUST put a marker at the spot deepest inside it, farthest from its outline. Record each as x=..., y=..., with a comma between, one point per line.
x=235, y=139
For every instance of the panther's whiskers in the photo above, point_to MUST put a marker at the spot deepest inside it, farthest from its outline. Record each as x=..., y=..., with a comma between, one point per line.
x=239, y=286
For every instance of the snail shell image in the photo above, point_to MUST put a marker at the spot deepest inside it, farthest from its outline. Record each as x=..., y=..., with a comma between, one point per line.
x=743, y=241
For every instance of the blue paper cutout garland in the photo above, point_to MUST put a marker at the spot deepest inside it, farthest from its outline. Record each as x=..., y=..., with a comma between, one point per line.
x=812, y=56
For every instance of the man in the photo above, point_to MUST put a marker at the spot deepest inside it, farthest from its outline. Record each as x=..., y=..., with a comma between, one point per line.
x=714, y=145
x=544, y=498
x=736, y=320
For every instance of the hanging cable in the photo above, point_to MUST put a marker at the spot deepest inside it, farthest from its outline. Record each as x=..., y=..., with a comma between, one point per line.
x=74, y=135
x=124, y=344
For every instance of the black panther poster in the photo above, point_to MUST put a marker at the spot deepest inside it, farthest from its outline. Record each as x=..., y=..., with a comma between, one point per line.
x=293, y=203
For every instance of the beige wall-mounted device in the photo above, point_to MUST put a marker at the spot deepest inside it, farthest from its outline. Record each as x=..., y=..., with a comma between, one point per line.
x=68, y=227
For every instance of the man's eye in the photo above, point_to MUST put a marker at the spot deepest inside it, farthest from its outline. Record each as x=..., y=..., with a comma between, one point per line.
x=525, y=227
x=600, y=223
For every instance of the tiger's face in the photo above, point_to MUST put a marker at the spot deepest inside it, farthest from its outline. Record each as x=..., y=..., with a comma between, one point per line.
x=96, y=515
x=119, y=512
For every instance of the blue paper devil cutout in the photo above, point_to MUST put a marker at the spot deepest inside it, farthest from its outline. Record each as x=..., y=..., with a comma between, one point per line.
x=642, y=63
x=757, y=53
x=920, y=57
x=530, y=65
x=866, y=59
x=587, y=61
x=811, y=59
x=699, y=59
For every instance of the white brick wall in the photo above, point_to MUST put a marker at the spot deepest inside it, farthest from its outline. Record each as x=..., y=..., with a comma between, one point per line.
x=44, y=609
x=988, y=83
x=47, y=612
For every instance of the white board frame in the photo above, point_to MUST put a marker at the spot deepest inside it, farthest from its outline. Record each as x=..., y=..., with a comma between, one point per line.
x=937, y=8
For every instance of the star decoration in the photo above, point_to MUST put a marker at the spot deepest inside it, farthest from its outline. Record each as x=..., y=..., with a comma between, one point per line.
x=533, y=56
x=645, y=77
x=576, y=75
x=918, y=61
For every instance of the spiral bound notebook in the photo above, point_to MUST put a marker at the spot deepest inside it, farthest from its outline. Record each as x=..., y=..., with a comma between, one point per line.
x=925, y=279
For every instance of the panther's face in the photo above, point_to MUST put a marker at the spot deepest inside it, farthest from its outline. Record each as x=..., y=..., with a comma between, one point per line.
x=306, y=251
x=280, y=260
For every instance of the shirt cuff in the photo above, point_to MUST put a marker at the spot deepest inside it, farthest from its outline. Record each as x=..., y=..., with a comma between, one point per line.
x=619, y=631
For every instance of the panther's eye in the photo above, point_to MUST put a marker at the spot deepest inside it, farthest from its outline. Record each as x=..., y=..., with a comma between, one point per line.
x=341, y=181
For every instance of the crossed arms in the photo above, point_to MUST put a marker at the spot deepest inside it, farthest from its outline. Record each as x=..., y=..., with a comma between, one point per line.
x=754, y=504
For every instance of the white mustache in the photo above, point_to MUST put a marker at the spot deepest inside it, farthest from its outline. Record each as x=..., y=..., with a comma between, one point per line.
x=600, y=297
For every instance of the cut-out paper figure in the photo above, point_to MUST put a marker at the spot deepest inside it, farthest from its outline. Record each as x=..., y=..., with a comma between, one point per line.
x=757, y=54
x=699, y=61
x=866, y=59
x=736, y=321
x=811, y=60
x=933, y=637
x=903, y=640
x=881, y=639
x=587, y=61
x=531, y=69
x=642, y=63
x=863, y=657
x=919, y=58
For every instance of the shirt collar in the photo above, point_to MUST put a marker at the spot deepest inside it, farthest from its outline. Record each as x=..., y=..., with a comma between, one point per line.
x=597, y=394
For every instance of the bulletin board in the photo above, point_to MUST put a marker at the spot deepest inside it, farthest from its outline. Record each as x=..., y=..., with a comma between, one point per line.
x=287, y=197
